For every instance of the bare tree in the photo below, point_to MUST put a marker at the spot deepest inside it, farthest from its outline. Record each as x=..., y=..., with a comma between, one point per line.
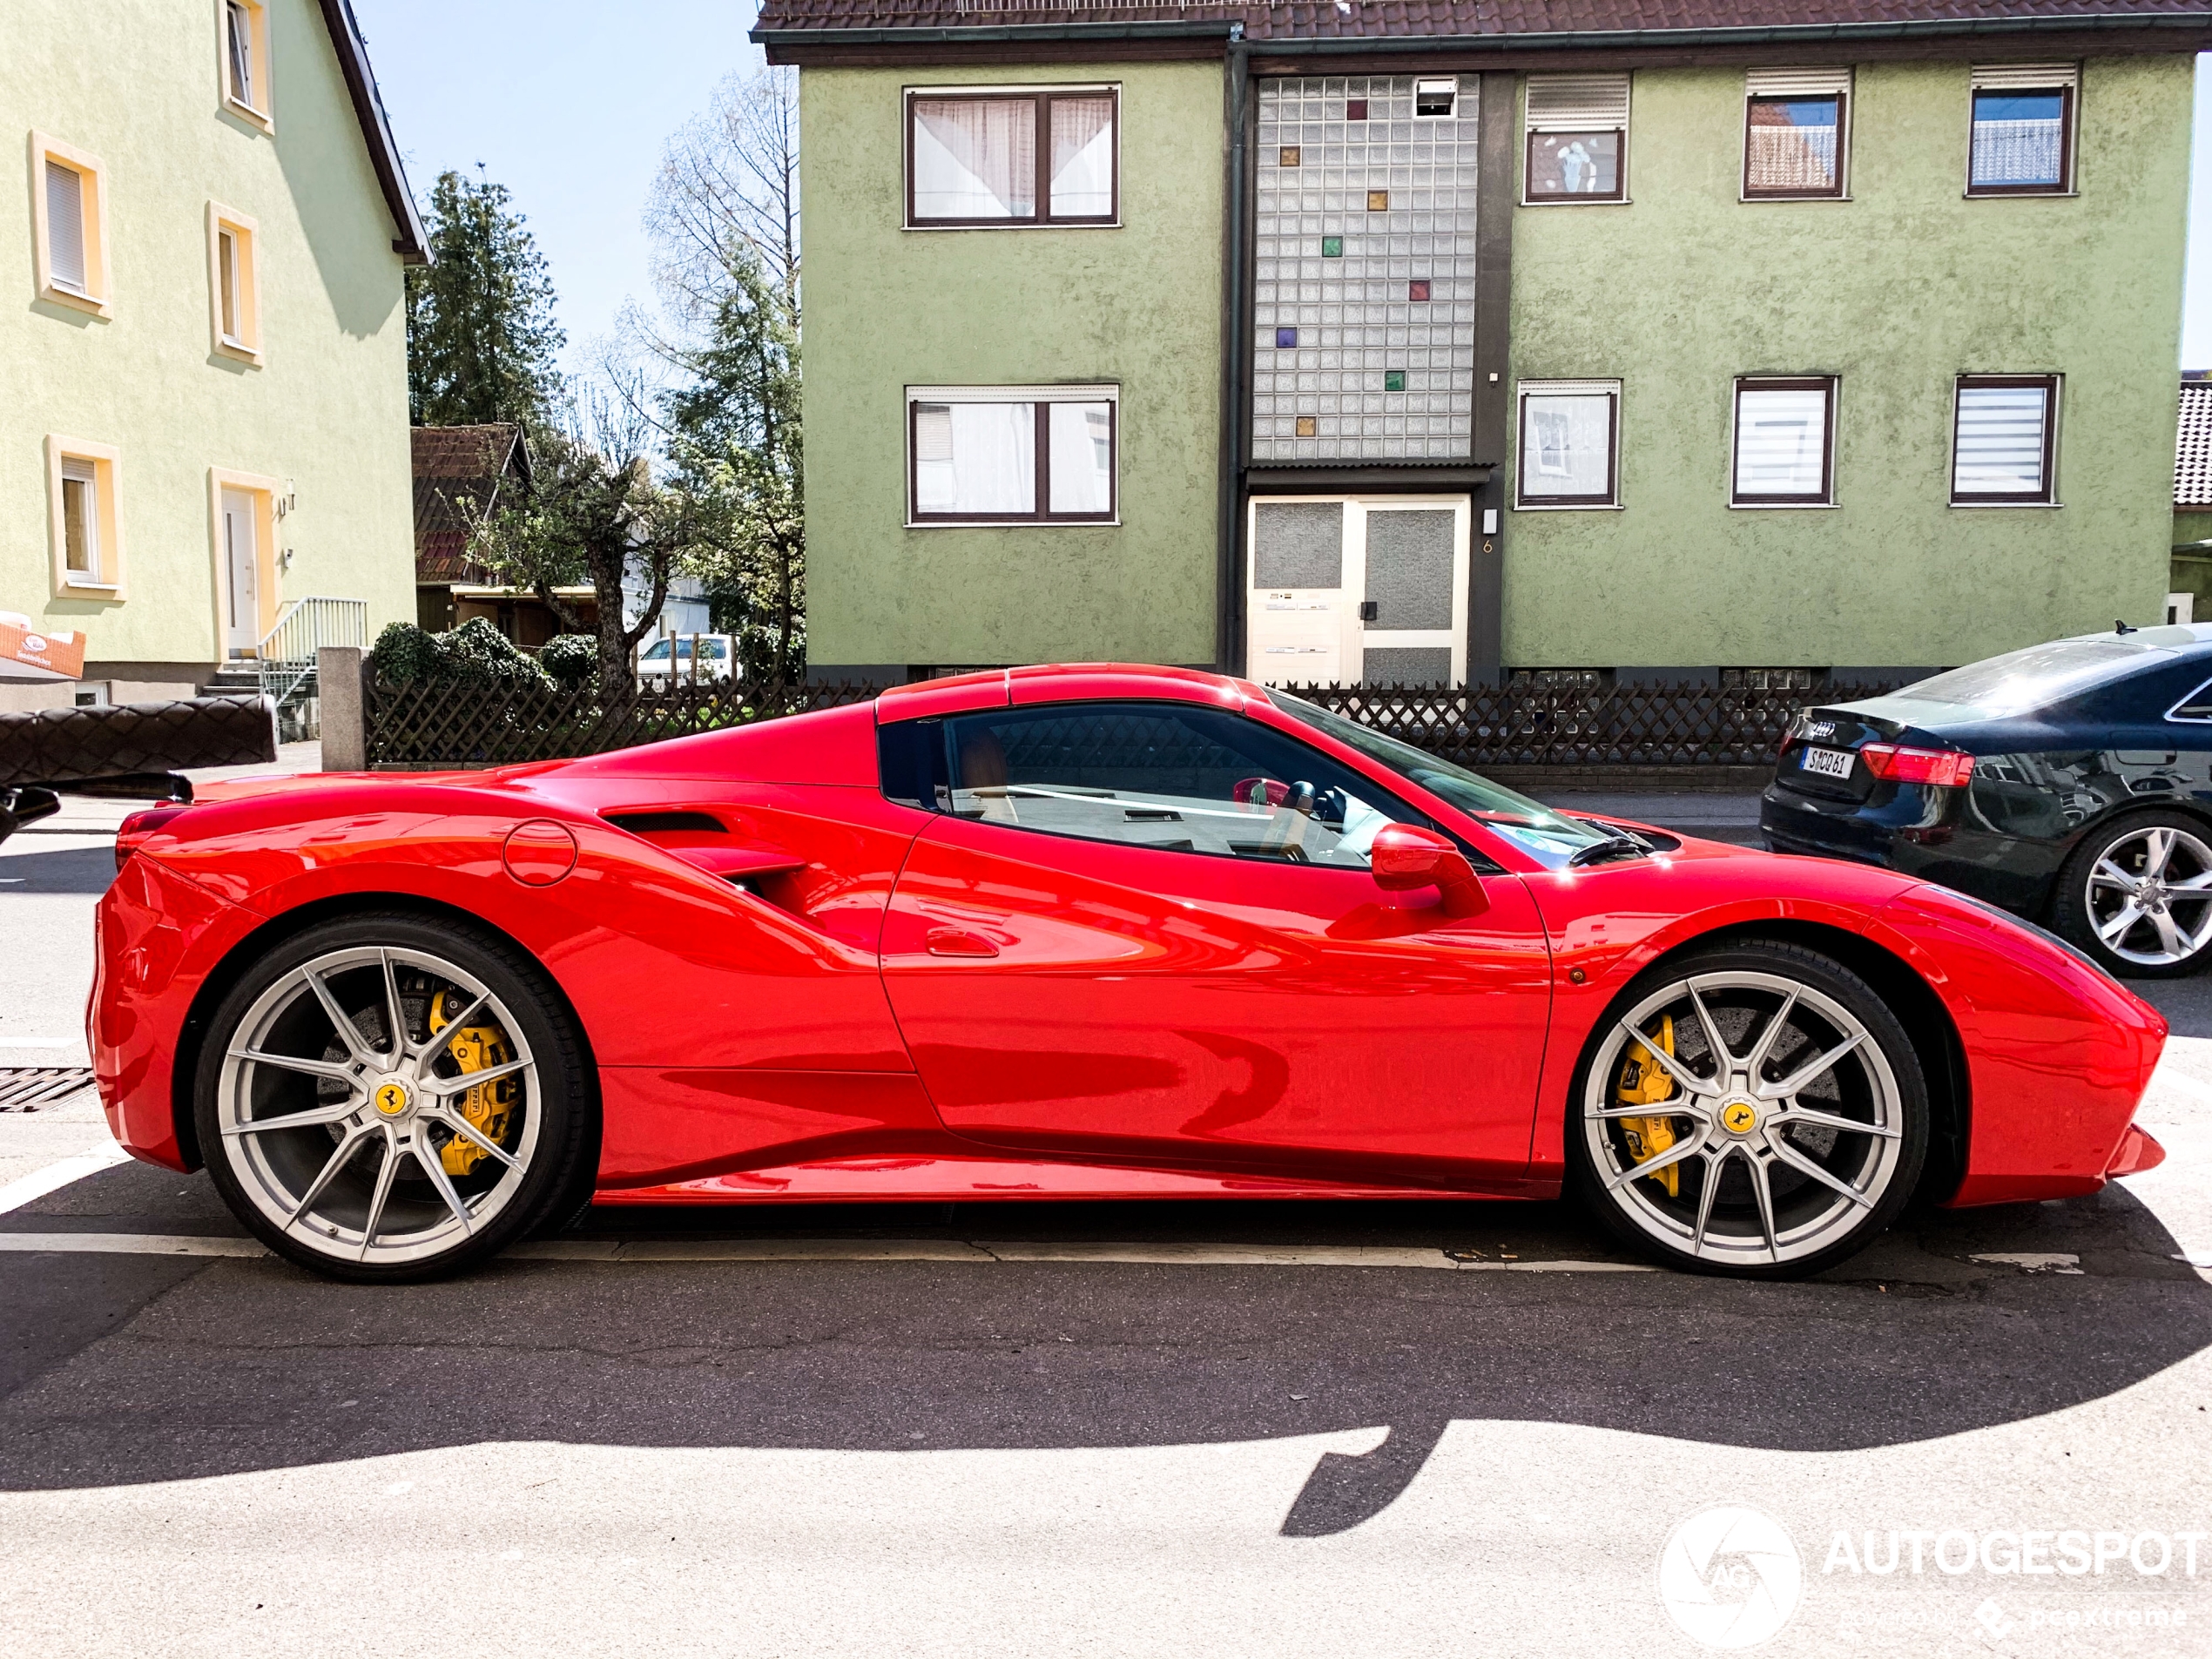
x=724, y=219
x=727, y=195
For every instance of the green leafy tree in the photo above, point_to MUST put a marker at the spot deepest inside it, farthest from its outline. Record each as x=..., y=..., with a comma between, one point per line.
x=592, y=512
x=482, y=341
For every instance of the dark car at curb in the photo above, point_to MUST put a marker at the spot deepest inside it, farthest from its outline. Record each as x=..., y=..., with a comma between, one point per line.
x=2069, y=783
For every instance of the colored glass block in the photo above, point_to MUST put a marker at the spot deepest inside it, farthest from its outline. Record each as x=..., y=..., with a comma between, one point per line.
x=1289, y=155
x=1332, y=247
x=1378, y=201
x=1393, y=379
x=1285, y=338
x=1308, y=427
x=1355, y=109
x=1418, y=288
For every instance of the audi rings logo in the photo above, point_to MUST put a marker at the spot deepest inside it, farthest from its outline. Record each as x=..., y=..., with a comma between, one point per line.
x=1730, y=1577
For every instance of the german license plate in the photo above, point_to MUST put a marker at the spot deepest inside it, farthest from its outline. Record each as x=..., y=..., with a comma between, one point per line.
x=1826, y=763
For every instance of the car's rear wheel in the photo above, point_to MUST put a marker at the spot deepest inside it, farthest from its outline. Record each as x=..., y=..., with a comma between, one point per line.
x=387, y=1098
x=2137, y=895
x=1755, y=1111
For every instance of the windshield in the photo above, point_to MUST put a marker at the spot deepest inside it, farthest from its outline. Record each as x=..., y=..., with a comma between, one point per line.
x=1547, y=836
x=2032, y=679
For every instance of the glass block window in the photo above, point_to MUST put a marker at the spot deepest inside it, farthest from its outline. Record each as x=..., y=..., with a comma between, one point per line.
x=1570, y=433
x=1009, y=454
x=1577, y=140
x=1786, y=433
x=2000, y=449
x=1383, y=192
x=1034, y=158
x=1797, y=126
x=2023, y=129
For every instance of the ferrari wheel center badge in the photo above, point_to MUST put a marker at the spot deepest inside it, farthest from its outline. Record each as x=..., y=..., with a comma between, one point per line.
x=1739, y=1117
x=392, y=1098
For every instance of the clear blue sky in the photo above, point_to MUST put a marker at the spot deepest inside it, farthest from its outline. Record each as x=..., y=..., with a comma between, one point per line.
x=568, y=104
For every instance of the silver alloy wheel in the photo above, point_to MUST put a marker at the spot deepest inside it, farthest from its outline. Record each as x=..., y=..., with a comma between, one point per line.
x=330, y=1062
x=2150, y=896
x=1769, y=1076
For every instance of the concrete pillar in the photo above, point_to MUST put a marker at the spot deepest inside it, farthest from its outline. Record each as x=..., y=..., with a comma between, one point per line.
x=338, y=671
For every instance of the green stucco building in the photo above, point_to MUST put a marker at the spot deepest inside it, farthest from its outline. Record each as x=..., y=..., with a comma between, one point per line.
x=206, y=351
x=1619, y=338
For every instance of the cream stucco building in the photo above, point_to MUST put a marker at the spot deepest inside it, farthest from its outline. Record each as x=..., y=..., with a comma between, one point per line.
x=204, y=350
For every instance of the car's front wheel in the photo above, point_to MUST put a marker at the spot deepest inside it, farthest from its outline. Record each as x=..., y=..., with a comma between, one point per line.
x=388, y=1097
x=2137, y=895
x=1755, y=1111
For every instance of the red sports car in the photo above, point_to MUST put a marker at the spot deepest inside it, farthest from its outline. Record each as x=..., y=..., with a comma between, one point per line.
x=1063, y=932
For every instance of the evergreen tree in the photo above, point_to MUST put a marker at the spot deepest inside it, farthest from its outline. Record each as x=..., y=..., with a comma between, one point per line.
x=481, y=335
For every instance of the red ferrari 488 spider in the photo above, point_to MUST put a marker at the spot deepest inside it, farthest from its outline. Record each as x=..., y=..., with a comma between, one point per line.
x=1059, y=932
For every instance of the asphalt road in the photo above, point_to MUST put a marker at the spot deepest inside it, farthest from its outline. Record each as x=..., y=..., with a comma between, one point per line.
x=1204, y=1430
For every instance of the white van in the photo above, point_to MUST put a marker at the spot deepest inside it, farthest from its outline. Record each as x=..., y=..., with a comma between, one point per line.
x=707, y=657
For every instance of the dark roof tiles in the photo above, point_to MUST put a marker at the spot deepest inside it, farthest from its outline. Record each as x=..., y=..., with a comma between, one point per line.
x=1498, y=18
x=2193, y=450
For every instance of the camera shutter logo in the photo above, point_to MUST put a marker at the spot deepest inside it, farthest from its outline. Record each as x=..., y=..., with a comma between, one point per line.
x=1729, y=1577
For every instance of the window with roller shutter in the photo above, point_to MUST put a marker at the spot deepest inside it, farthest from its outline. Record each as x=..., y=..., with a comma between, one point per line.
x=1577, y=130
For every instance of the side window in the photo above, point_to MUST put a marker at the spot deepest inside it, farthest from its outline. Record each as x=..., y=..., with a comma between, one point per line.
x=1165, y=775
x=2195, y=709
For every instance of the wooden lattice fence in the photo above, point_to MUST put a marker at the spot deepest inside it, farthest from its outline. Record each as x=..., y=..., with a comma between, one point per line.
x=1523, y=724
x=428, y=723
x=1526, y=722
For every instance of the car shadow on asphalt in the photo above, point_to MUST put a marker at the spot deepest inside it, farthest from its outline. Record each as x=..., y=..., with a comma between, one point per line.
x=204, y=1367
x=69, y=869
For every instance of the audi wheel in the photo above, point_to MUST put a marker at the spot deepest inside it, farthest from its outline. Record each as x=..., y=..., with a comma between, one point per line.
x=2137, y=896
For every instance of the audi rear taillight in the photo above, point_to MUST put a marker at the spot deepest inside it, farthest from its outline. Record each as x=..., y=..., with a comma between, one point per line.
x=1946, y=768
x=138, y=828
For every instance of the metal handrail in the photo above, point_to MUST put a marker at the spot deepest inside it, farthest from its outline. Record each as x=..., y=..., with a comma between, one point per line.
x=287, y=652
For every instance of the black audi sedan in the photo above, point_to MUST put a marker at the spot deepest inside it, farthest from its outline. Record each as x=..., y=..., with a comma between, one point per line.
x=2070, y=783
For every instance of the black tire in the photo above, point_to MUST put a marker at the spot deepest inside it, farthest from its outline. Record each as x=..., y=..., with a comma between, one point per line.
x=2082, y=901
x=550, y=1141
x=1744, y=1237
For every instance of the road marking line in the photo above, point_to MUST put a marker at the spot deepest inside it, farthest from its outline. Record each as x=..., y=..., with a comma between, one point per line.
x=40, y=1182
x=865, y=1250
x=129, y=1245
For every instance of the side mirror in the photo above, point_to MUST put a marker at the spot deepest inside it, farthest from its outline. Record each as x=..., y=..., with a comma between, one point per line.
x=1404, y=857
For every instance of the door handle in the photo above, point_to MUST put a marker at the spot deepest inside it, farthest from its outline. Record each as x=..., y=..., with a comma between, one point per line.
x=958, y=942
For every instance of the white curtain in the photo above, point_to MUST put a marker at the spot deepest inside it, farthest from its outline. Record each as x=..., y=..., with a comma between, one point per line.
x=976, y=157
x=1079, y=462
x=1564, y=444
x=1082, y=157
x=1781, y=442
x=1792, y=145
x=975, y=457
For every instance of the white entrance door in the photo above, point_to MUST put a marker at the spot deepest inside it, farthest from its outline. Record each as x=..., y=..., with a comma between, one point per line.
x=1302, y=614
x=241, y=576
x=1356, y=591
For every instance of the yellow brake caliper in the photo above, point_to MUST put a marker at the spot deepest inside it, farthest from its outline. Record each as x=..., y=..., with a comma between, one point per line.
x=475, y=1048
x=1645, y=1082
